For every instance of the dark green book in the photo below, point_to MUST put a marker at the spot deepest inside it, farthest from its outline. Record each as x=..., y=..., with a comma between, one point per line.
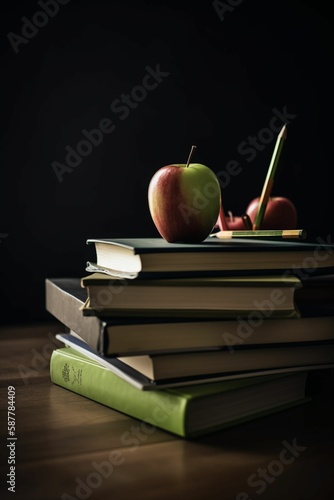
x=185, y=411
x=130, y=257
x=198, y=297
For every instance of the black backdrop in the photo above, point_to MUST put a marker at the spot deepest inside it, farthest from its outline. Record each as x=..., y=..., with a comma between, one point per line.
x=223, y=71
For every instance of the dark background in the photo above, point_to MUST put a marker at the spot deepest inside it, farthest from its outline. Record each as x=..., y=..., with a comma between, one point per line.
x=225, y=79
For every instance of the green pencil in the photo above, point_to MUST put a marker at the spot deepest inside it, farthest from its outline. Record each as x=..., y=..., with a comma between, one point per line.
x=262, y=233
x=268, y=184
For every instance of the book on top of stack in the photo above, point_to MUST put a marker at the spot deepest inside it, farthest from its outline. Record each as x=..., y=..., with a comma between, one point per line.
x=155, y=257
x=203, y=322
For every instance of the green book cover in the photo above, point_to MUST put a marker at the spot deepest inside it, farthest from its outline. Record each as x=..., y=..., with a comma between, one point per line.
x=186, y=411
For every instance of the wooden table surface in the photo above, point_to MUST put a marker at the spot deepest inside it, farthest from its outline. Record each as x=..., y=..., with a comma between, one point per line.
x=69, y=447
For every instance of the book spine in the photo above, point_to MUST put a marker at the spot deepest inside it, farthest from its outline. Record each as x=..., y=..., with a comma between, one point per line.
x=157, y=408
x=66, y=309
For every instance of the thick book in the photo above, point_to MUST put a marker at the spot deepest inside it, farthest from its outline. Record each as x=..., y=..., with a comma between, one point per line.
x=125, y=336
x=210, y=297
x=186, y=411
x=131, y=257
x=142, y=371
x=242, y=359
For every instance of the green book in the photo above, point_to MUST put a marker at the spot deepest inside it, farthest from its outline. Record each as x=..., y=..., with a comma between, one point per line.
x=201, y=297
x=147, y=257
x=188, y=411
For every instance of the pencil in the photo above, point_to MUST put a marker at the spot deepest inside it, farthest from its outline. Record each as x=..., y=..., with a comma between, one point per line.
x=262, y=233
x=269, y=181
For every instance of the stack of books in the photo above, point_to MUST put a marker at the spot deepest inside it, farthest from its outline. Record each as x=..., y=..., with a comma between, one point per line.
x=192, y=338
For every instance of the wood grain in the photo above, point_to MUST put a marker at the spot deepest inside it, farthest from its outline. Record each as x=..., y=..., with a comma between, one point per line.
x=69, y=447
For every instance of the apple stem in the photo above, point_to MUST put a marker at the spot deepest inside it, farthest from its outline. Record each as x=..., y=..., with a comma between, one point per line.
x=231, y=216
x=190, y=155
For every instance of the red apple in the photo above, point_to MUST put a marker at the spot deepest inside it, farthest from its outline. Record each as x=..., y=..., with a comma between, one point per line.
x=280, y=213
x=235, y=223
x=184, y=202
x=230, y=222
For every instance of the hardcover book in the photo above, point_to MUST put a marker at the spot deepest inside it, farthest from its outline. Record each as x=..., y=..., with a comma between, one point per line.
x=126, y=336
x=150, y=372
x=199, y=297
x=129, y=257
x=186, y=411
x=242, y=359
